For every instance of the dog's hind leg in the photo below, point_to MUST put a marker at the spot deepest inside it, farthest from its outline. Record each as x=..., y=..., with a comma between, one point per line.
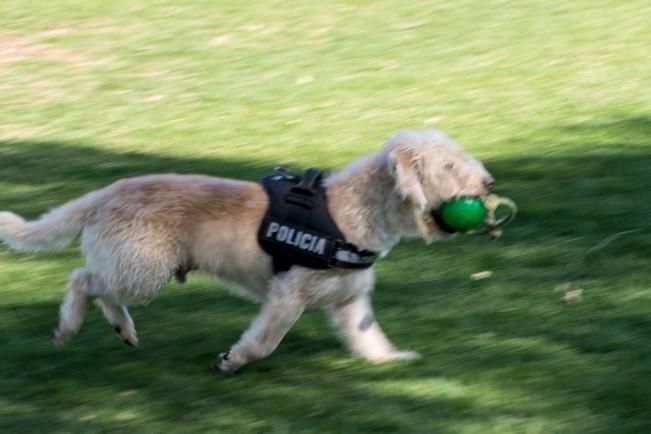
x=82, y=288
x=118, y=316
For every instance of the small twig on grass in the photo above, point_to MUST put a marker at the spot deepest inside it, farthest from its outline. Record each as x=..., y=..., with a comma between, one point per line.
x=572, y=292
x=602, y=244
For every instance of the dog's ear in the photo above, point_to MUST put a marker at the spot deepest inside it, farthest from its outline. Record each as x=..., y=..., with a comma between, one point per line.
x=407, y=170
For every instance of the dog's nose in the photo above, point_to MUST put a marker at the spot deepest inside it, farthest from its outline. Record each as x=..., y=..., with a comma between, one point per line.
x=489, y=183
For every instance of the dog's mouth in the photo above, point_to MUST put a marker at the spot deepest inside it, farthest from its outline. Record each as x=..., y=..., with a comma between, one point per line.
x=434, y=212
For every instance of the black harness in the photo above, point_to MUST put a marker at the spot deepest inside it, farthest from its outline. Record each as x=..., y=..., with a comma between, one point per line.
x=298, y=229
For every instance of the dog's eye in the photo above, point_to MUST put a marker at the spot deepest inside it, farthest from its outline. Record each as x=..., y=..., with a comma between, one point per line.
x=449, y=165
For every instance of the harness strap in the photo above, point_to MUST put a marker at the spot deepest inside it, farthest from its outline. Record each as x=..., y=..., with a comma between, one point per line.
x=349, y=256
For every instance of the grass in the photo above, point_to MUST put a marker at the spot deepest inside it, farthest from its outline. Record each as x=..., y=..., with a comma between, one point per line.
x=553, y=96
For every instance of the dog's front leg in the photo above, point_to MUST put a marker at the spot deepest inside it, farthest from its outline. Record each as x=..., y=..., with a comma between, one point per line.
x=363, y=334
x=276, y=317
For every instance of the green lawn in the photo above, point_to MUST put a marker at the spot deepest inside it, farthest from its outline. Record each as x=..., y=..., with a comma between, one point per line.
x=553, y=96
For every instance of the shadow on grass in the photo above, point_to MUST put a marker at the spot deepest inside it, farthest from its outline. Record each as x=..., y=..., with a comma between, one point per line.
x=583, y=367
x=48, y=172
x=169, y=380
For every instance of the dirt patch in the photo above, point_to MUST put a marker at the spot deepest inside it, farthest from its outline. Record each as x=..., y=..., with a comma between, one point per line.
x=16, y=48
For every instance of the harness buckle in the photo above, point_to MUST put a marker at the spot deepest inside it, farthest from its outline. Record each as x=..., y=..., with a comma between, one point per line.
x=349, y=256
x=285, y=173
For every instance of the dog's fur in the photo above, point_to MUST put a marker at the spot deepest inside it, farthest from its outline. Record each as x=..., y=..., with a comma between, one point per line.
x=139, y=233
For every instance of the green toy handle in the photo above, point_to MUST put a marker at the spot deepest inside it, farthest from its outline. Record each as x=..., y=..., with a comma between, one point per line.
x=492, y=224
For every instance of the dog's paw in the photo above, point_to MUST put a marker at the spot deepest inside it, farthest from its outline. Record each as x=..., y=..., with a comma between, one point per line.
x=60, y=337
x=128, y=336
x=225, y=364
x=395, y=356
x=405, y=355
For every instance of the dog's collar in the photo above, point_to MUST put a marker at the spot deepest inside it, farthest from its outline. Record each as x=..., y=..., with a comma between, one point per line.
x=298, y=228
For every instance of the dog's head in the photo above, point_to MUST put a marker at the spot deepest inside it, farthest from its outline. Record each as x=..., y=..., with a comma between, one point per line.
x=428, y=169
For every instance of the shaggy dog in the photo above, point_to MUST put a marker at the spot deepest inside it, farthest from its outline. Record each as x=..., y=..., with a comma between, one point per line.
x=139, y=233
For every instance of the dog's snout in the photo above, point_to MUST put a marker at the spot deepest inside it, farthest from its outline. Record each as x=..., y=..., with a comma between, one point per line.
x=489, y=183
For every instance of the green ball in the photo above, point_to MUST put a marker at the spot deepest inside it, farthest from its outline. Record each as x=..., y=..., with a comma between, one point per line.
x=463, y=214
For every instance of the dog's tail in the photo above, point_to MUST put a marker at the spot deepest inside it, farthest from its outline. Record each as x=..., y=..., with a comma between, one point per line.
x=54, y=230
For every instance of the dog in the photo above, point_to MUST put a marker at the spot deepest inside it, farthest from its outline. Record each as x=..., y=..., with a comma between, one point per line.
x=139, y=233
